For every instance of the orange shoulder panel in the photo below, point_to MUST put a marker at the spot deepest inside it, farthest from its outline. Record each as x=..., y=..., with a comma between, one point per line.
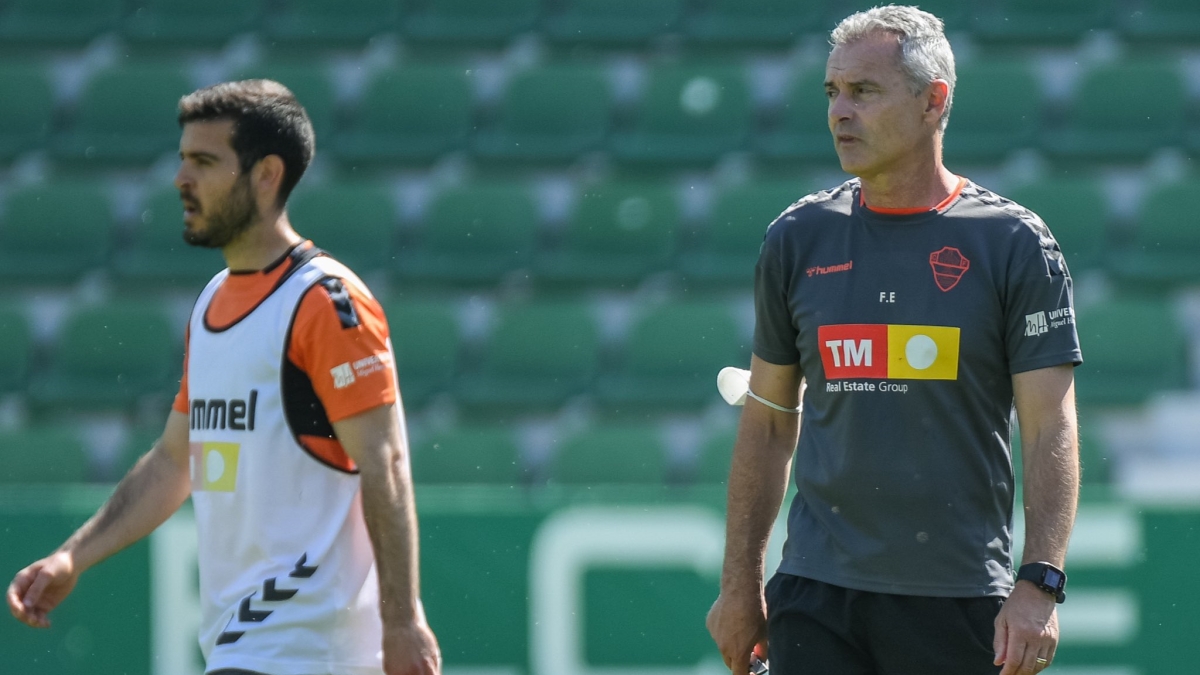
x=345, y=355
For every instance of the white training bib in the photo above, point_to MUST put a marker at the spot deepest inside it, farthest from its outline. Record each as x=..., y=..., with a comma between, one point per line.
x=287, y=574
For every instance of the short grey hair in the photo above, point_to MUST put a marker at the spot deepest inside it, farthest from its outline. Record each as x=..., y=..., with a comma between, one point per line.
x=925, y=53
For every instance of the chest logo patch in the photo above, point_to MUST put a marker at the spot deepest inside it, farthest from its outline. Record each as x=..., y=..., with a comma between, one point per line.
x=882, y=351
x=214, y=466
x=949, y=265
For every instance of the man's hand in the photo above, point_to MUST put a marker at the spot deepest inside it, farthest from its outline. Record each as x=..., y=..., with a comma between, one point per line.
x=411, y=650
x=39, y=588
x=738, y=624
x=1026, y=631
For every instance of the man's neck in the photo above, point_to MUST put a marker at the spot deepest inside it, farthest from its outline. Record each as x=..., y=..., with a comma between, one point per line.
x=922, y=182
x=261, y=244
x=909, y=192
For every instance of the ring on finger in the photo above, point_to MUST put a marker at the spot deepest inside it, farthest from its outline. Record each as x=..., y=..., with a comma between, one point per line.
x=1042, y=662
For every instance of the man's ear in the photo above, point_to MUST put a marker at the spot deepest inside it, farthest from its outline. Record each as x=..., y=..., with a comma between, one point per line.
x=937, y=95
x=267, y=177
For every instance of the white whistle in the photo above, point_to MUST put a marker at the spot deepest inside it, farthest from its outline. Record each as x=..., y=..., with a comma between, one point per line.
x=733, y=383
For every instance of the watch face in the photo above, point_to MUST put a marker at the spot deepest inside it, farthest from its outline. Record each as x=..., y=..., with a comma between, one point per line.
x=1053, y=578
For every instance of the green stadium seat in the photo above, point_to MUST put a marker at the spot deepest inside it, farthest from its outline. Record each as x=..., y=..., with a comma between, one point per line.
x=1166, y=244
x=173, y=23
x=672, y=358
x=614, y=454
x=42, y=455
x=619, y=234
x=728, y=249
x=467, y=455
x=56, y=23
x=470, y=21
x=613, y=21
x=110, y=128
x=768, y=23
x=802, y=131
x=1161, y=20
x=331, y=22
x=1110, y=118
x=312, y=86
x=26, y=109
x=426, y=339
x=554, y=113
x=110, y=357
x=1010, y=21
x=157, y=255
x=16, y=350
x=996, y=109
x=354, y=222
x=473, y=235
x=1131, y=349
x=689, y=114
x=409, y=114
x=714, y=459
x=55, y=233
x=1076, y=211
x=538, y=356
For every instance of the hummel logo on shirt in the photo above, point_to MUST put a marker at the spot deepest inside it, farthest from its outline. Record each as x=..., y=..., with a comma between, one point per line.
x=832, y=269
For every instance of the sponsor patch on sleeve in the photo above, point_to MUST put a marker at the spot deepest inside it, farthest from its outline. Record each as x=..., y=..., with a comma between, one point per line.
x=343, y=376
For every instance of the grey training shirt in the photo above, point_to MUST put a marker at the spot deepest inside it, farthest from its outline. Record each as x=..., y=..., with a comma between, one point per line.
x=908, y=329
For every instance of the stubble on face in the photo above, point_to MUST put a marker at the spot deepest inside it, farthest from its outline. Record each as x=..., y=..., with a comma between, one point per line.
x=226, y=220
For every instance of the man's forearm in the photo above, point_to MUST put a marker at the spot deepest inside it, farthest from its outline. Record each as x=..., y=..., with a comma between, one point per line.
x=153, y=490
x=757, y=484
x=390, y=514
x=1051, y=490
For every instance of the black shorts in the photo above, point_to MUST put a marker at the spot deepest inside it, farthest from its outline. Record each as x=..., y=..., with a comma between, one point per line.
x=814, y=628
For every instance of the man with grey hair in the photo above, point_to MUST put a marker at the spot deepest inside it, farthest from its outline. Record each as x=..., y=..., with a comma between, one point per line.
x=919, y=309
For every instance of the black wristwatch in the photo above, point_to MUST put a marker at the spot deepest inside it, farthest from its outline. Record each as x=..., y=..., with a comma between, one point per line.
x=1046, y=577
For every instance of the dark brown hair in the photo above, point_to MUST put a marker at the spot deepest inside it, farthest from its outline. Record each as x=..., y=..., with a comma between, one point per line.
x=267, y=120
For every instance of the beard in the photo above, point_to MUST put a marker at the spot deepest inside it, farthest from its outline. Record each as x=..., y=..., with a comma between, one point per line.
x=228, y=219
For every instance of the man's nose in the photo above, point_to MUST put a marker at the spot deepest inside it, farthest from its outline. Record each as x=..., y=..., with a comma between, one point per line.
x=182, y=177
x=840, y=109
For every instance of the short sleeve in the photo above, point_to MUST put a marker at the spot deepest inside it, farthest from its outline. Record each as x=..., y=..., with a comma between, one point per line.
x=340, y=340
x=181, y=398
x=1039, y=309
x=774, y=331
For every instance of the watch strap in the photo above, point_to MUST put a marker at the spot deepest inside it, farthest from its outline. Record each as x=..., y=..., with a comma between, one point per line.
x=1036, y=574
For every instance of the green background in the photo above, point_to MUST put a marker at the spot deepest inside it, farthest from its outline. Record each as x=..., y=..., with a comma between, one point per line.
x=476, y=585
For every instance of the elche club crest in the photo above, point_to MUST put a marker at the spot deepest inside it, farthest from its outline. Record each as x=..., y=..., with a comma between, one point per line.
x=949, y=265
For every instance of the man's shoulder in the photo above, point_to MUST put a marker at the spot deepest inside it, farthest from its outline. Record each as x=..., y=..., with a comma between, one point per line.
x=1000, y=215
x=335, y=290
x=816, y=208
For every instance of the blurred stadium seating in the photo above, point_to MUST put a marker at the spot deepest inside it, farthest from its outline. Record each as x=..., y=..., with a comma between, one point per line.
x=560, y=201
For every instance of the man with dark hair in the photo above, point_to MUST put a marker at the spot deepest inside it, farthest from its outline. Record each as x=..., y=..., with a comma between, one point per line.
x=288, y=432
x=920, y=309
x=268, y=120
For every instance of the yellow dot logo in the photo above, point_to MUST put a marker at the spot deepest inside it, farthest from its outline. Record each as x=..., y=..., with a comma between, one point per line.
x=921, y=351
x=214, y=466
